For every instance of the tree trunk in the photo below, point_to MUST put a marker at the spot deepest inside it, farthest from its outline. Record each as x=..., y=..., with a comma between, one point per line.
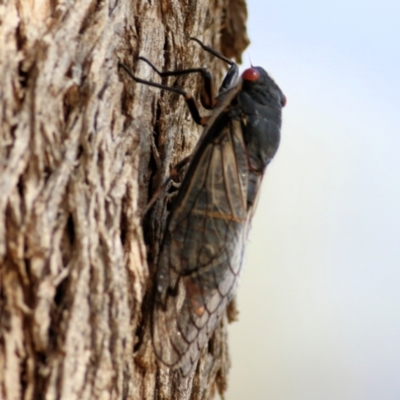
x=82, y=149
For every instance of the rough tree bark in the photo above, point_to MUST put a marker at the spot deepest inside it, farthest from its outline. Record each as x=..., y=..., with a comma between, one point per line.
x=81, y=150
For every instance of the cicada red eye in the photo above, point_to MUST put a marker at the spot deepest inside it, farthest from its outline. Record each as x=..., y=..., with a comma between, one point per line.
x=251, y=74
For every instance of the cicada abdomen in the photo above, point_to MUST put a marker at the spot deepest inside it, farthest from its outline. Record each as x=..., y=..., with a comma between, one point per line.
x=202, y=250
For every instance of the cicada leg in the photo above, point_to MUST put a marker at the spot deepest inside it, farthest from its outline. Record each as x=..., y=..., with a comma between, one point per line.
x=173, y=175
x=233, y=72
x=189, y=99
x=207, y=97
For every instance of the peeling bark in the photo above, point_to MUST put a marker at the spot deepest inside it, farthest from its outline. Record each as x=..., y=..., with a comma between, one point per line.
x=82, y=148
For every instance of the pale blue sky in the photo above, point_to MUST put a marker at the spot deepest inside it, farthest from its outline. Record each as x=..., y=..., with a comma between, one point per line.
x=319, y=297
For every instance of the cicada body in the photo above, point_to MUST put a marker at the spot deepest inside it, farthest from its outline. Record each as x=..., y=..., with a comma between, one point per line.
x=202, y=250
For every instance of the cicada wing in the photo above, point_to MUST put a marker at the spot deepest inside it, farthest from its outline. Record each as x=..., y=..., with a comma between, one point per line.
x=202, y=251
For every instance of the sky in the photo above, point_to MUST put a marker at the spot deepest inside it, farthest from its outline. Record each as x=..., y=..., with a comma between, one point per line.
x=319, y=297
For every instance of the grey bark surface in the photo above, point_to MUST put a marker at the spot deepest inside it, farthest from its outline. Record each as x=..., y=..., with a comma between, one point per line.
x=82, y=148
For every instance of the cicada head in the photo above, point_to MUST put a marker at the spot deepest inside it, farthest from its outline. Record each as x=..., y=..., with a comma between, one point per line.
x=262, y=87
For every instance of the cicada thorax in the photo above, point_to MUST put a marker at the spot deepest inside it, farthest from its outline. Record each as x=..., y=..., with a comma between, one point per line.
x=202, y=250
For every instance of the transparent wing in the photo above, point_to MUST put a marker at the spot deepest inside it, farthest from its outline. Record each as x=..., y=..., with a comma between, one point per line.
x=202, y=251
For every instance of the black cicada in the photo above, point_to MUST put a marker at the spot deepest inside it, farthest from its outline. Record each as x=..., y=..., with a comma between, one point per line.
x=202, y=249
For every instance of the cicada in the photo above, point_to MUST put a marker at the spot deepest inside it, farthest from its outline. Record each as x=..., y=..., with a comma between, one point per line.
x=202, y=249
